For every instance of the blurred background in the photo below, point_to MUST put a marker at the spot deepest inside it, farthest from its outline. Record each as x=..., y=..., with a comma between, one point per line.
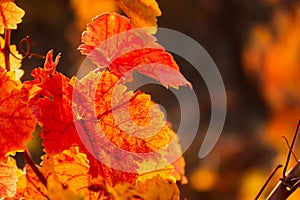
x=256, y=46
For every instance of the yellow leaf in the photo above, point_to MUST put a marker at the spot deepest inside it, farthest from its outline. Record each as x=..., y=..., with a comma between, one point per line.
x=68, y=169
x=143, y=13
x=11, y=15
x=154, y=188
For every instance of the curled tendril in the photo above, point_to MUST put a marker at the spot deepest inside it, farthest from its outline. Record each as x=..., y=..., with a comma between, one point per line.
x=26, y=53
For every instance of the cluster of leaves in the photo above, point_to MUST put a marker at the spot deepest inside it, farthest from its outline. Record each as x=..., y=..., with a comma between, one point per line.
x=61, y=106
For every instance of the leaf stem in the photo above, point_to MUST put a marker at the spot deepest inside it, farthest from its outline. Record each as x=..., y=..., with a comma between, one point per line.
x=34, y=168
x=6, y=48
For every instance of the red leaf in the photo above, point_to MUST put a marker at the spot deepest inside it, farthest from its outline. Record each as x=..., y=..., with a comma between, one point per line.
x=111, y=41
x=50, y=101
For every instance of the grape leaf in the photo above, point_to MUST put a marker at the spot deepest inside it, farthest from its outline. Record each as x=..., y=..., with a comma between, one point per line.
x=154, y=188
x=10, y=15
x=143, y=13
x=8, y=178
x=68, y=169
x=15, y=63
x=109, y=131
x=111, y=41
x=50, y=95
x=158, y=188
x=16, y=121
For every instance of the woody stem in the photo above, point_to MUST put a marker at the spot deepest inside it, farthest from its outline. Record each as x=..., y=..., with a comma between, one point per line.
x=6, y=48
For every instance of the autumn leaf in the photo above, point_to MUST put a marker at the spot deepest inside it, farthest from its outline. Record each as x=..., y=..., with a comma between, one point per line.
x=111, y=41
x=80, y=112
x=154, y=188
x=104, y=132
x=11, y=15
x=143, y=13
x=107, y=133
x=8, y=178
x=50, y=96
x=68, y=178
x=15, y=63
x=70, y=168
x=158, y=188
x=67, y=172
x=16, y=121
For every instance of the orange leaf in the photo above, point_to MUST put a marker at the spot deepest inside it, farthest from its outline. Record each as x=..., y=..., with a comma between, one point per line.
x=8, y=178
x=143, y=13
x=70, y=169
x=16, y=121
x=154, y=188
x=111, y=41
x=10, y=15
x=158, y=188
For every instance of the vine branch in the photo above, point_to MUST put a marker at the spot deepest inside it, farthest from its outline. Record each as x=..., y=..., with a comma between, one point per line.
x=6, y=48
